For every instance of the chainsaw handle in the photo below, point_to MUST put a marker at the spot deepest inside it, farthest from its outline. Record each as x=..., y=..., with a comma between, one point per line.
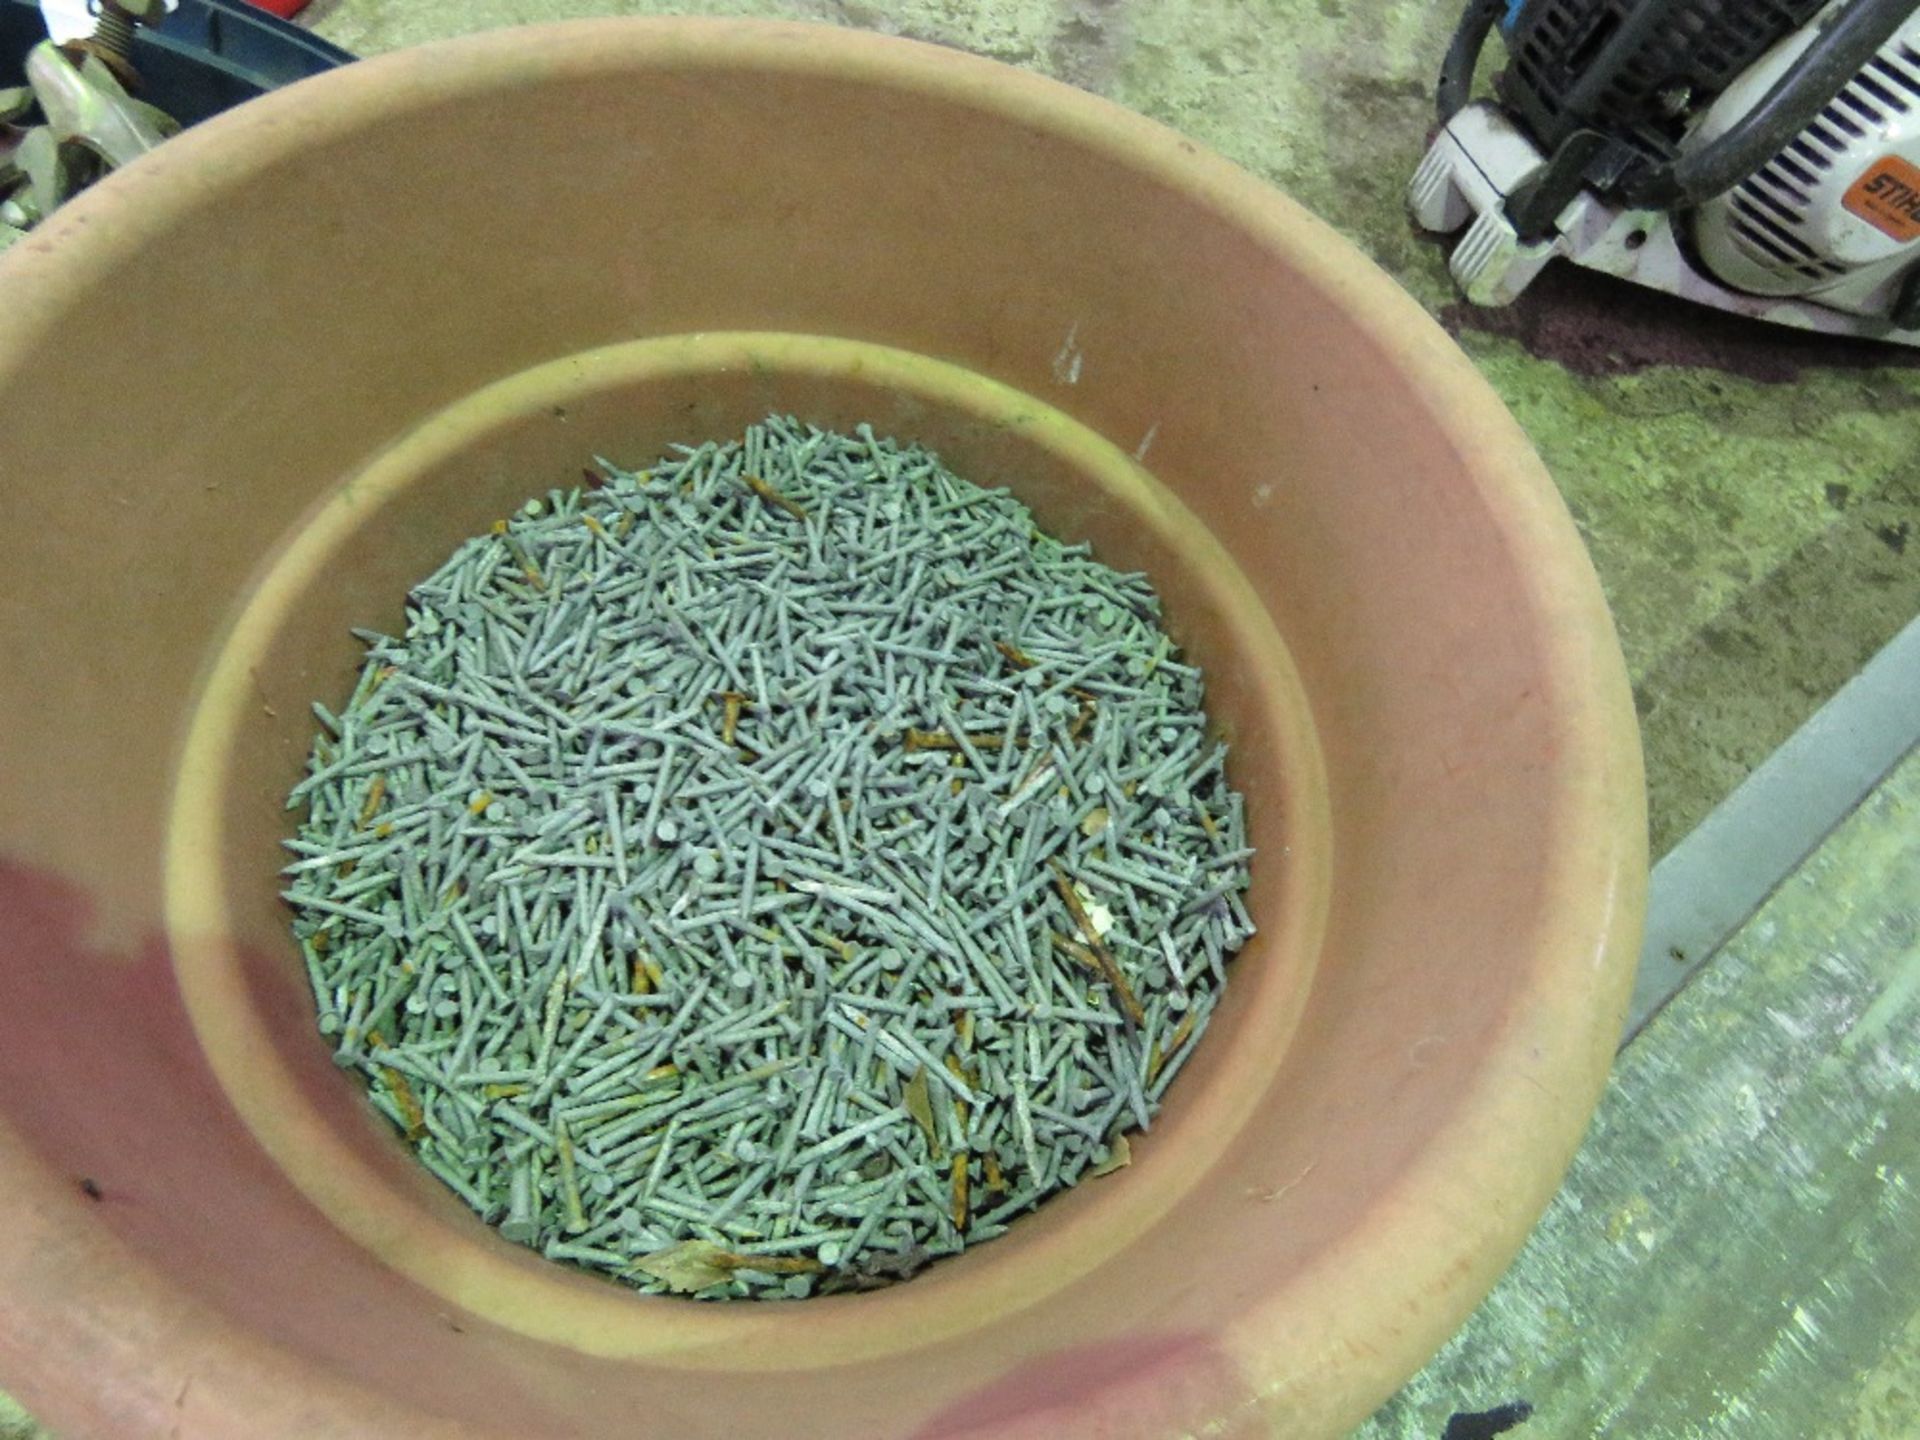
x=1463, y=54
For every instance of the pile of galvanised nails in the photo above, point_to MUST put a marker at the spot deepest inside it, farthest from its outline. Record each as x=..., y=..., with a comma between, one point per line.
x=763, y=874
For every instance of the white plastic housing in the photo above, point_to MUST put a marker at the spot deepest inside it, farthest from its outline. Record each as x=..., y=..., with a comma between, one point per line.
x=1837, y=212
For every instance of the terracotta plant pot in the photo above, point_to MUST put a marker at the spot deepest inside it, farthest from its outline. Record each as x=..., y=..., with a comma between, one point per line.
x=255, y=384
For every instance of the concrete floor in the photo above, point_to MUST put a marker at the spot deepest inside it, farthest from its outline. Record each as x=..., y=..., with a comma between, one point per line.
x=1749, y=496
x=1732, y=1256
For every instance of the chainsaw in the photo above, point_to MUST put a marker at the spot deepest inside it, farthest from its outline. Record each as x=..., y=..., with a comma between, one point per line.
x=1760, y=156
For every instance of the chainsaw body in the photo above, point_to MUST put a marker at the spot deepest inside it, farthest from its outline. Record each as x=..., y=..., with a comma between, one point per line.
x=1761, y=156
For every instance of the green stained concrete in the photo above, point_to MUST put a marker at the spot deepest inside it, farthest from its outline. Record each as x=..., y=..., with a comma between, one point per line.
x=1019, y=32
x=14, y=1422
x=1737, y=527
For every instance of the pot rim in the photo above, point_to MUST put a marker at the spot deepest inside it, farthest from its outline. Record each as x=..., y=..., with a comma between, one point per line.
x=1435, y=1241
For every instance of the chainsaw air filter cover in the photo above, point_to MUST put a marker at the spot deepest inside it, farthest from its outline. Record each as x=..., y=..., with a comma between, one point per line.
x=1837, y=211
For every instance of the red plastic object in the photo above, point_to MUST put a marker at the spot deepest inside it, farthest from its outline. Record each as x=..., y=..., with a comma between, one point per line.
x=285, y=9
